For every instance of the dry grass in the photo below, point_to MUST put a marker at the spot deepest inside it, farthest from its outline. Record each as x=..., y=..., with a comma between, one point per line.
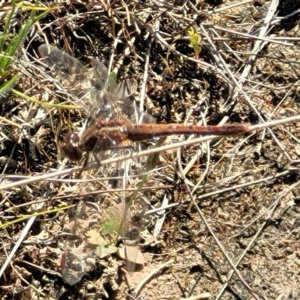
x=228, y=228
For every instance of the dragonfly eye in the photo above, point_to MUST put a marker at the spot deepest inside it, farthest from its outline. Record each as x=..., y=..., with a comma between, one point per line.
x=71, y=147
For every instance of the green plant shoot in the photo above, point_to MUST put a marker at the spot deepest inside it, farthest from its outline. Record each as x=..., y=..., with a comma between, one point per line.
x=195, y=41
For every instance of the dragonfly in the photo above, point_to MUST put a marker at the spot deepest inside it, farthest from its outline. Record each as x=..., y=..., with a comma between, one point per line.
x=114, y=127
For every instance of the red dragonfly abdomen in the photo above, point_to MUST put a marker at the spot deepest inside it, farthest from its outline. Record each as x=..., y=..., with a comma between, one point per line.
x=141, y=132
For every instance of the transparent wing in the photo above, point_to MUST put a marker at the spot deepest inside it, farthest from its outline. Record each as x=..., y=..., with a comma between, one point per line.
x=72, y=268
x=90, y=86
x=72, y=75
x=87, y=85
x=100, y=98
x=122, y=92
x=125, y=89
x=123, y=105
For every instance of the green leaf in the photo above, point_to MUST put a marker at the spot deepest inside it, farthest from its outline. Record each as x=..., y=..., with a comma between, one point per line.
x=6, y=88
x=195, y=41
x=9, y=48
